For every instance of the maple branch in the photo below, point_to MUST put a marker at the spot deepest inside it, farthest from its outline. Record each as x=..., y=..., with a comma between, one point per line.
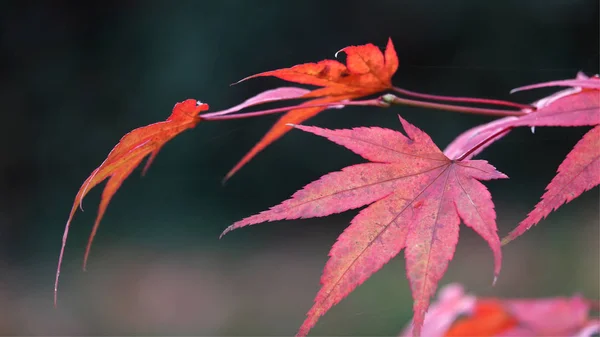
x=393, y=99
x=483, y=142
x=462, y=99
x=216, y=116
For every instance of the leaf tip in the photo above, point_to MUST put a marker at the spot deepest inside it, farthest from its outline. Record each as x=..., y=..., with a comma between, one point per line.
x=238, y=82
x=227, y=230
x=231, y=173
x=390, y=47
x=246, y=78
x=410, y=130
x=61, y=255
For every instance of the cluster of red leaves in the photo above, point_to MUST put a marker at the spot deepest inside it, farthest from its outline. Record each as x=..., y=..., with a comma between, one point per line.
x=580, y=171
x=367, y=71
x=458, y=314
x=418, y=195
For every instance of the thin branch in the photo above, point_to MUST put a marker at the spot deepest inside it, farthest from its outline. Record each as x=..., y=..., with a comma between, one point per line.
x=483, y=142
x=463, y=99
x=378, y=102
x=393, y=99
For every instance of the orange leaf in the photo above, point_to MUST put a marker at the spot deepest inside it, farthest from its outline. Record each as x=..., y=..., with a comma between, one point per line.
x=489, y=318
x=125, y=157
x=458, y=314
x=367, y=71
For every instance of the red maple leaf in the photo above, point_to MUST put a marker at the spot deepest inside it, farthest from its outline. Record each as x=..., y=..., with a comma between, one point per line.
x=580, y=171
x=418, y=197
x=125, y=157
x=367, y=71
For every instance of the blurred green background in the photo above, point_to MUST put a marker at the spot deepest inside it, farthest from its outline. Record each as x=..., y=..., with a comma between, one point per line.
x=76, y=76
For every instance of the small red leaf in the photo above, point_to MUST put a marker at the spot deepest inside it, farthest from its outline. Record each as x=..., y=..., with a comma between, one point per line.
x=417, y=197
x=125, y=157
x=577, y=106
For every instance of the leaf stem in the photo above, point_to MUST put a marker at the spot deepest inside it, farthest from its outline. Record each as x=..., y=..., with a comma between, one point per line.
x=462, y=99
x=393, y=99
x=483, y=142
x=384, y=102
x=215, y=116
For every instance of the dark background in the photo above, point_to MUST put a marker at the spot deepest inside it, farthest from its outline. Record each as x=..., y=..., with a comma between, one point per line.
x=76, y=76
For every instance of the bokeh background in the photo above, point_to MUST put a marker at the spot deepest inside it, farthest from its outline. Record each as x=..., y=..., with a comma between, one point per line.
x=75, y=76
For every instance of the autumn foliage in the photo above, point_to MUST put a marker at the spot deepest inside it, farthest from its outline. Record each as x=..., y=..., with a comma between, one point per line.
x=459, y=314
x=367, y=71
x=417, y=194
x=125, y=157
x=418, y=197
